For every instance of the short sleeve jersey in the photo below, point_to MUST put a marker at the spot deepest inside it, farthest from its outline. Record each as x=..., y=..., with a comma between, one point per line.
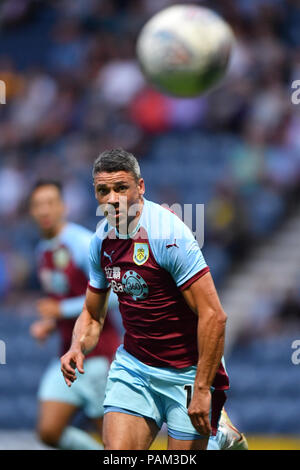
x=148, y=271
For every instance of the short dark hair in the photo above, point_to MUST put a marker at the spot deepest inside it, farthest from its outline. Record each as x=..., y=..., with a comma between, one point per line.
x=117, y=160
x=46, y=182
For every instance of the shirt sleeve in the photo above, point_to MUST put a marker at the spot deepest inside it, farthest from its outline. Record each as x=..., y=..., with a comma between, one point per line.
x=78, y=240
x=71, y=308
x=182, y=257
x=98, y=281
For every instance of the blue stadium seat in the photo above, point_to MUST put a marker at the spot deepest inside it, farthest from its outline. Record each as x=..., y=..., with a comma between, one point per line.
x=26, y=406
x=28, y=377
x=265, y=386
x=9, y=416
x=8, y=382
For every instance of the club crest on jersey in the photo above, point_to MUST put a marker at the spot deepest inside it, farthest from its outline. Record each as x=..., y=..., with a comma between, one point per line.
x=140, y=253
x=61, y=258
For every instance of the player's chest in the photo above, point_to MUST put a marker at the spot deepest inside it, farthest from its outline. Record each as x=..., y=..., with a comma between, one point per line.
x=57, y=271
x=130, y=268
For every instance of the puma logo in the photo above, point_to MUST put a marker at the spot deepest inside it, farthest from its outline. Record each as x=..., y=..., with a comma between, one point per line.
x=173, y=244
x=108, y=256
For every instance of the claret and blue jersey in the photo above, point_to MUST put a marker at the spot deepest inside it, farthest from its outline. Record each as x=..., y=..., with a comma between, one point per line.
x=63, y=270
x=148, y=269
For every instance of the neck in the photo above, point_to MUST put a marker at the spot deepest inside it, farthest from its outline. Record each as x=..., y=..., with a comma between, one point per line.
x=54, y=231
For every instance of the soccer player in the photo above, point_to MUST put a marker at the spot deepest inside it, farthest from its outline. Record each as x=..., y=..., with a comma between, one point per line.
x=170, y=367
x=62, y=258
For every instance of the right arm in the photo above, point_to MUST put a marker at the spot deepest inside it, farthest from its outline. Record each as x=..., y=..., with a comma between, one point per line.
x=86, y=333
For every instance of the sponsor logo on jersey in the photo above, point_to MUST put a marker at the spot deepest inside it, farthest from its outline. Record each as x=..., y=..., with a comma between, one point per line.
x=140, y=253
x=135, y=285
x=132, y=284
x=113, y=272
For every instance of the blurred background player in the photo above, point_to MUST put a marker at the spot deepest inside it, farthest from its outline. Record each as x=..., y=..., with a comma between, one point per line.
x=62, y=263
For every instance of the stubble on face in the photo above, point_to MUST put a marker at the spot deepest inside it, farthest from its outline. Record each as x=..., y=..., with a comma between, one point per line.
x=120, y=198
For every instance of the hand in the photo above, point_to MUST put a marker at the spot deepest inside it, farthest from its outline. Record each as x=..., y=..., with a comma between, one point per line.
x=41, y=329
x=198, y=411
x=69, y=362
x=48, y=308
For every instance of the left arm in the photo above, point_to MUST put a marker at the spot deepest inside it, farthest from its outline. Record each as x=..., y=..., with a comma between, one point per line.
x=181, y=256
x=203, y=299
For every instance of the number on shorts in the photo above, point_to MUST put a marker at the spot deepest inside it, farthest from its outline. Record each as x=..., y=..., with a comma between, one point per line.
x=188, y=389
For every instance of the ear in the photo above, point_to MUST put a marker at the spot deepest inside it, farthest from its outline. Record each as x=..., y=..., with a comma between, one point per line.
x=141, y=186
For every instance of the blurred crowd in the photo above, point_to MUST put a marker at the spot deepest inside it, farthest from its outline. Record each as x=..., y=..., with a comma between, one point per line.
x=74, y=88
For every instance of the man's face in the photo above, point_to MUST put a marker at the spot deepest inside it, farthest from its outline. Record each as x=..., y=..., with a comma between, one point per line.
x=117, y=192
x=47, y=207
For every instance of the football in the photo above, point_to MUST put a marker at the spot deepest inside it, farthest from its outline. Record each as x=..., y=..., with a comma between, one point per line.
x=184, y=50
